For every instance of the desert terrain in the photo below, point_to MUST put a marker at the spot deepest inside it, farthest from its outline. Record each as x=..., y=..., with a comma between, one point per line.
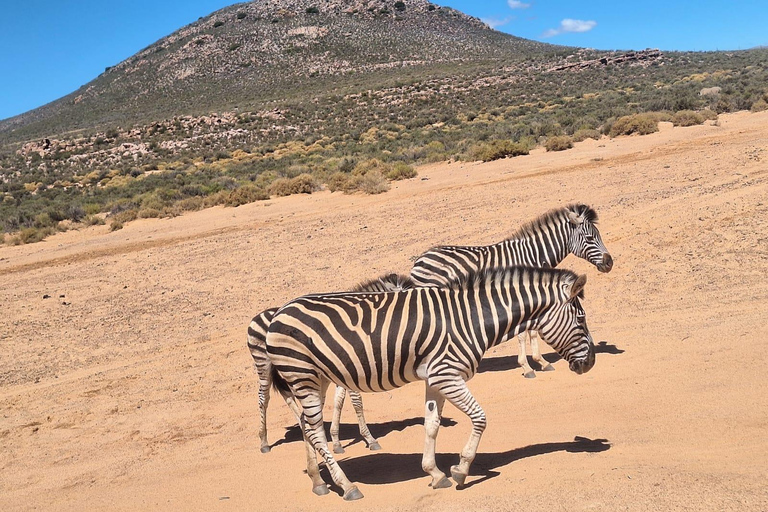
x=130, y=387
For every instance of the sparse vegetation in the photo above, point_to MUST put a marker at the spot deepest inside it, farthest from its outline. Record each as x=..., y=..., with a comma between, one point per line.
x=188, y=147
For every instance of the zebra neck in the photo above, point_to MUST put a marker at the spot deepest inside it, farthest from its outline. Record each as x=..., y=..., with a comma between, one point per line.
x=504, y=318
x=544, y=247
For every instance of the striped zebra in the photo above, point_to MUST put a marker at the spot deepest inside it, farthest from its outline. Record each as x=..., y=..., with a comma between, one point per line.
x=372, y=342
x=257, y=333
x=543, y=242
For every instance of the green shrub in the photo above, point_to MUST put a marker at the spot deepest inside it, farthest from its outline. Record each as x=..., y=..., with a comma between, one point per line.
x=312, y=10
x=637, y=123
x=115, y=225
x=93, y=220
x=709, y=115
x=687, y=118
x=558, y=143
x=401, y=171
x=586, y=133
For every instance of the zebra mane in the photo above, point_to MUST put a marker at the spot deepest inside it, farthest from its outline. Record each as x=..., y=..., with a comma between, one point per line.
x=554, y=215
x=385, y=283
x=479, y=278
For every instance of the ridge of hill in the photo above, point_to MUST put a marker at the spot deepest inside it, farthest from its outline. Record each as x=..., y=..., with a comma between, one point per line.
x=247, y=54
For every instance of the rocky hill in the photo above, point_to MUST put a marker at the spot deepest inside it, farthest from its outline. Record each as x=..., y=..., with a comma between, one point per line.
x=247, y=54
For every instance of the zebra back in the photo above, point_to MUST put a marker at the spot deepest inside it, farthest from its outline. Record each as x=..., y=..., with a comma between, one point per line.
x=380, y=341
x=257, y=329
x=543, y=242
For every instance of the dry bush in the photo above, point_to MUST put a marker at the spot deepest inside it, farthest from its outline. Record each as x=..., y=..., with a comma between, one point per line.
x=709, y=115
x=301, y=184
x=93, y=220
x=125, y=216
x=115, y=225
x=401, y=171
x=149, y=213
x=372, y=164
x=246, y=194
x=499, y=149
x=687, y=118
x=638, y=123
x=759, y=106
x=218, y=198
x=191, y=204
x=338, y=182
x=31, y=235
x=372, y=182
x=586, y=133
x=558, y=143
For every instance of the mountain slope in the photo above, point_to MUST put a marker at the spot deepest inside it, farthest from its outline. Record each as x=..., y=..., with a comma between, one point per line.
x=249, y=53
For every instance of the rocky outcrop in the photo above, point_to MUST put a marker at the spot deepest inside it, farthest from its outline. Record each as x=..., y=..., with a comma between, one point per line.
x=639, y=58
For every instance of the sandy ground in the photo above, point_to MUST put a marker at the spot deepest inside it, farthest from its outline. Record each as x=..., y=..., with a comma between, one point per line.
x=131, y=388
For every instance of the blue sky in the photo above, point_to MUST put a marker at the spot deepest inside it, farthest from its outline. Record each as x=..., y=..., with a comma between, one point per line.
x=50, y=48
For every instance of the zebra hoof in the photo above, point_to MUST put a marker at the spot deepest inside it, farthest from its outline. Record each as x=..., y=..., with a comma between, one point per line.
x=548, y=368
x=443, y=483
x=374, y=446
x=338, y=449
x=321, y=490
x=458, y=476
x=529, y=375
x=353, y=494
x=266, y=449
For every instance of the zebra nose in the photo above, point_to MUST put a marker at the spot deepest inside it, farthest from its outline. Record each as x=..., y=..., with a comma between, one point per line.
x=607, y=264
x=581, y=366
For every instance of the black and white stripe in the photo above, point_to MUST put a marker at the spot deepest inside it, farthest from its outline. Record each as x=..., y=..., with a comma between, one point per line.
x=257, y=332
x=380, y=341
x=543, y=242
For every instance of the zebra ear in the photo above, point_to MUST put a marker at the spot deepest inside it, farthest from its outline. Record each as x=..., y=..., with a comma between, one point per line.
x=577, y=288
x=575, y=218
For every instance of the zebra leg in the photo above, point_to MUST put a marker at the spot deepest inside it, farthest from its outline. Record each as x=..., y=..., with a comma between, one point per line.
x=338, y=403
x=312, y=405
x=458, y=394
x=265, y=382
x=433, y=410
x=536, y=354
x=357, y=404
x=313, y=470
x=522, y=360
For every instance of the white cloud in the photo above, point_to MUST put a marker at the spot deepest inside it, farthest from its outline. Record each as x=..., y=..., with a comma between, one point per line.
x=569, y=25
x=495, y=22
x=515, y=4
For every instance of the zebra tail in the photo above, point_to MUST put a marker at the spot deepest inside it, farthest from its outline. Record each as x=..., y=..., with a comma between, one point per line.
x=279, y=384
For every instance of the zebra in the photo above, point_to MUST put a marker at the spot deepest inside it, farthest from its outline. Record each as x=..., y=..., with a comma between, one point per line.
x=543, y=242
x=370, y=342
x=257, y=332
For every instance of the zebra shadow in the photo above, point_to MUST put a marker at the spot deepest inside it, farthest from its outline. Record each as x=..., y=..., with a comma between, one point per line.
x=504, y=363
x=349, y=433
x=389, y=468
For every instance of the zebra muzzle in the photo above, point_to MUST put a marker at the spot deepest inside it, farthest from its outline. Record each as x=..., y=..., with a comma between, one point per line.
x=607, y=263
